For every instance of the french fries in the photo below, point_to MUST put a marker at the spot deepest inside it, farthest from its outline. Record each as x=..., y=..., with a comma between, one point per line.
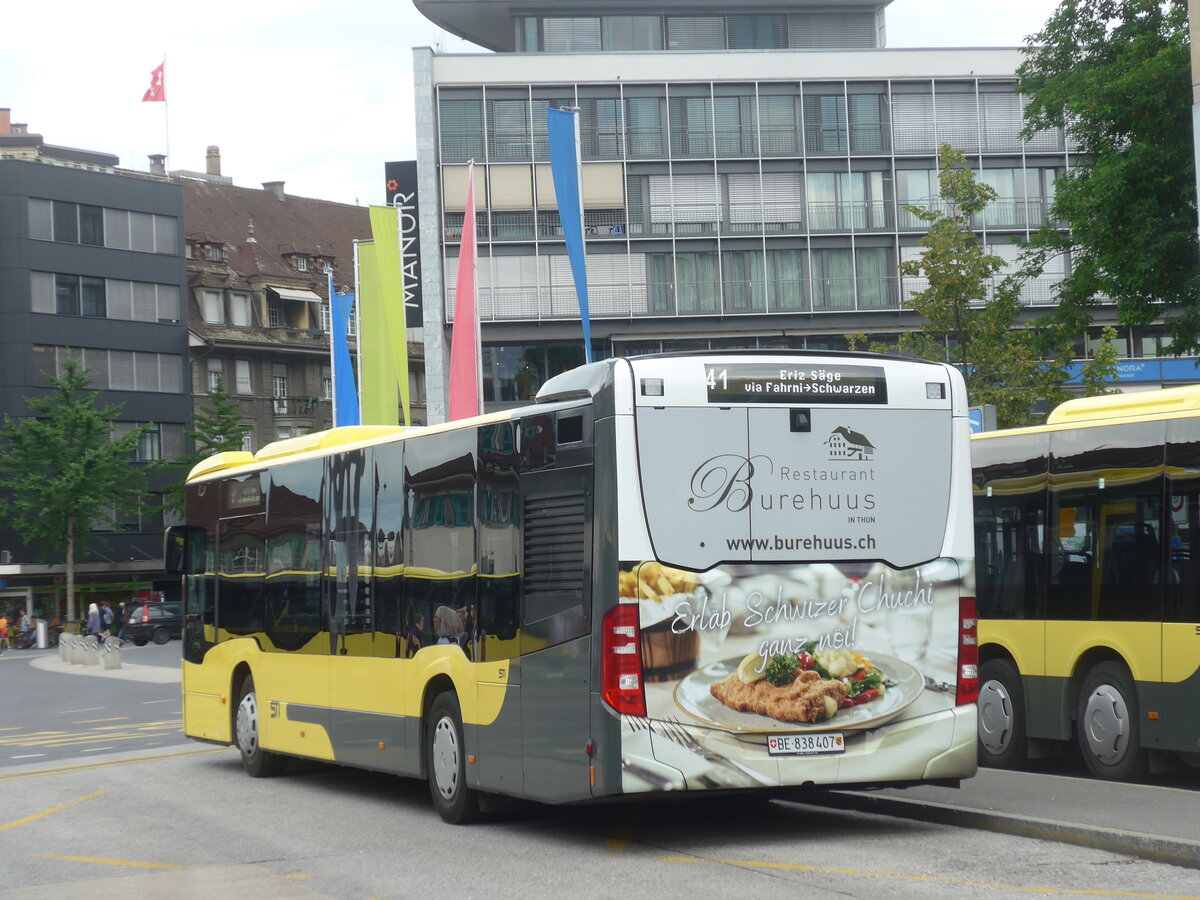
x=653, y=581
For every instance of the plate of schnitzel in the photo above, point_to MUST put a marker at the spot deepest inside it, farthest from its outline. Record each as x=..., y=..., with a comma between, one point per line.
x=716, y=695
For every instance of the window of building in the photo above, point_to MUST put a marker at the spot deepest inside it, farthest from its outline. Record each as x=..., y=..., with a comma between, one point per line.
x=643, y=127
x=302, y=263
x=247, y=441
x=66, y=294
x=149, y=447
x=757, y=32
x=66, y=222
x=274, y=313
x=212, y=252
x=239, y=310
x=745, y=285
x=691, y=127
x=326, y=317
x=283, y=432
x=632, y=33
x=695, y=33
x=846, y=201
x=832, y=279
x=461, y=126
x=91, y=225
x=575, y=35
x=216, y=374
x=211, y=307
x=825, y=125
x=242, y=374
x=326, y=383
x=93, y=296
x=508, y=131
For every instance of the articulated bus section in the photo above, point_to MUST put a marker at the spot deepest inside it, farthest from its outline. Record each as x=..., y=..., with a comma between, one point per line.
x=679, y=573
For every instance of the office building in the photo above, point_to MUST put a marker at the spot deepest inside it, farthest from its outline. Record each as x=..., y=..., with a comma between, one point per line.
x=745, y=177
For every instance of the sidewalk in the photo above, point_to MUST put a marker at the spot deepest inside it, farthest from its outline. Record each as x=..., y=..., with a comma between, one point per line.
x=1147, y=821
x=48, y=661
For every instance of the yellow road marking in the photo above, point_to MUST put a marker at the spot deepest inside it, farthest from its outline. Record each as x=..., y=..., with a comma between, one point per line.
x=620, y=838
x=83, y=767
x=52, y=810
x=934, y=879
x=130, y=863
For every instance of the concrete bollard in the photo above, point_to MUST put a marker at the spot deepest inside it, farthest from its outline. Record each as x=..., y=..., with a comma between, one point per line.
x=76, y=650
x=64, y=647
x=91, y=655
x=110, y=656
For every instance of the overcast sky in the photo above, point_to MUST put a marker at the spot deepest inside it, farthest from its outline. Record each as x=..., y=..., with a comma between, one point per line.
x=316, y=94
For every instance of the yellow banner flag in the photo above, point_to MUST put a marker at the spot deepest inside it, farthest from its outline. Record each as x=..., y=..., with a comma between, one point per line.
x=385, y=229
x=376, y=367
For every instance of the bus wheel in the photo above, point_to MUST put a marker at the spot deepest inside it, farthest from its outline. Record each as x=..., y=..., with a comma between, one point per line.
x=446, y=762
x=257, y=762
x=1108, y=727
x=1002, y=742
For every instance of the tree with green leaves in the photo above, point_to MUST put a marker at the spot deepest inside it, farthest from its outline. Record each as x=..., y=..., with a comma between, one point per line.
x=1116, y=75
x=64, y=472
x=219, y=428
x=1014, y=368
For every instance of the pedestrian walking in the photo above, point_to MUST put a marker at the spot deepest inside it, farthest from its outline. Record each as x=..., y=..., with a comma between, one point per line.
x=92, y=629
x=4, y=644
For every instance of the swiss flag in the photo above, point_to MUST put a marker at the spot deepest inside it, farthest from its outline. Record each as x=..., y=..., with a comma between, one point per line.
x=158, y=86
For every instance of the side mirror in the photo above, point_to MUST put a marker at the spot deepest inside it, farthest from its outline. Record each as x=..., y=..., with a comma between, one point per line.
x=184, y=549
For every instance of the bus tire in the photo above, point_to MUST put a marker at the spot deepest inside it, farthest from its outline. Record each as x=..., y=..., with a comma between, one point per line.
x=1002, y=743
x=257, y=762
x=1108, y=725
x=446, y=762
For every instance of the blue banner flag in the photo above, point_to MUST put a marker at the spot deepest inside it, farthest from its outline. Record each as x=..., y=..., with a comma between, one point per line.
x=562, y=125
x=345, y=394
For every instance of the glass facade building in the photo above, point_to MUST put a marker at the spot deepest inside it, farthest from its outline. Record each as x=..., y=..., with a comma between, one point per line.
x=745, y=177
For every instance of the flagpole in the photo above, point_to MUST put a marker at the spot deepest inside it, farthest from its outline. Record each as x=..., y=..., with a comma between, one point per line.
x=166, y=116
x=358, y=354
x=333, y=373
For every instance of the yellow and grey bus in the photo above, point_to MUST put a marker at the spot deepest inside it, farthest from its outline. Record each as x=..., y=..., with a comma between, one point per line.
x=1088, y=554
x=692, y=572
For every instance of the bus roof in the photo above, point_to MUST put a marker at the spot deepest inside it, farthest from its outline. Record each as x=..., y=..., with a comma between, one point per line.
x=1123, y=406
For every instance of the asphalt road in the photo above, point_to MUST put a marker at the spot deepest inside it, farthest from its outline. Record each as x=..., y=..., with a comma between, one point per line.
x=122, y=806
x=52, y=711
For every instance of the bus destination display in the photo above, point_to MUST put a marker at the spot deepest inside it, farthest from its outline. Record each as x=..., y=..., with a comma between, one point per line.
x=815, y=383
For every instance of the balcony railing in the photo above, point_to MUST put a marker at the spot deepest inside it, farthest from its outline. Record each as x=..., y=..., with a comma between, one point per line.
x=294, y=406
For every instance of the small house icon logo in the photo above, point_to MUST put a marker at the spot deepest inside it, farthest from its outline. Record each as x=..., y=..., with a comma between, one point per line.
x=844, y=443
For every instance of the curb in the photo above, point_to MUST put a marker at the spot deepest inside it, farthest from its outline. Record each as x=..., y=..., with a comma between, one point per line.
x=1151, y=847
x=127, y=672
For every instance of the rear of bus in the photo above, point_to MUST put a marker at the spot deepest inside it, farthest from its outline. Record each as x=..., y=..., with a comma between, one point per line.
x=793, y=601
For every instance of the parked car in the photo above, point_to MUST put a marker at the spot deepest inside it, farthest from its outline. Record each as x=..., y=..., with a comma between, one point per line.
x=158, y=622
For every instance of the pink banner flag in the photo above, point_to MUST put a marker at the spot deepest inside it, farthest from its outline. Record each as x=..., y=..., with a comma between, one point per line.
x=158, y=85
x=466, y=355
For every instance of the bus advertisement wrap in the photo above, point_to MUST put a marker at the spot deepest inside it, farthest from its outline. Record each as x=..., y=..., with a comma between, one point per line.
x=872, y=644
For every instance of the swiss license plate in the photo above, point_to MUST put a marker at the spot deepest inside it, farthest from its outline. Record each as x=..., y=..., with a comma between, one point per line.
x=805, y=744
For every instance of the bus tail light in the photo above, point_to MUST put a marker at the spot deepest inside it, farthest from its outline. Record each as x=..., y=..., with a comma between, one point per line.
x=968, y=652
x=621, y=661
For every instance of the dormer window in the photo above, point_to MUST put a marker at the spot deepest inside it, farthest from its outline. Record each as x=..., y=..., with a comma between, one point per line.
x=302, y=263
x=212, y=252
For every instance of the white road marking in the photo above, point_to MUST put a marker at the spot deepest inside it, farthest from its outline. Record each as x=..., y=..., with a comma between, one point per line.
x=86, y=709
x=97, y=749
x=27, y=756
